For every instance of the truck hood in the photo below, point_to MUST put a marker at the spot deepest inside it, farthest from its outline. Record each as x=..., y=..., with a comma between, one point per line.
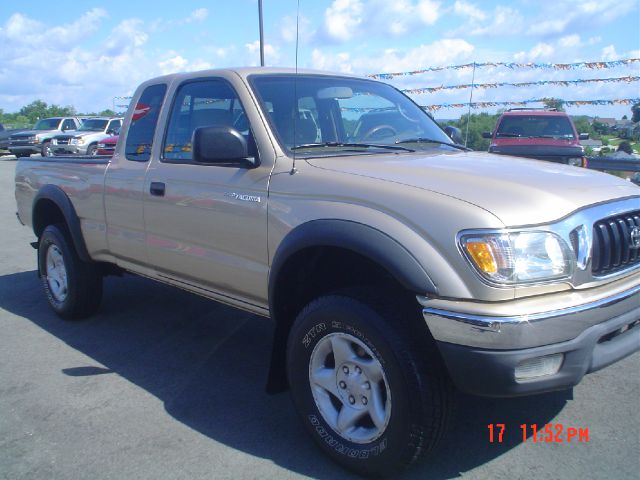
x=516, y=190
x=28, y=133
x=77, y=134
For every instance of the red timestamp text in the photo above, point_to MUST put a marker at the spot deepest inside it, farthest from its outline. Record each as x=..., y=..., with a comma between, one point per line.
x=547, y=433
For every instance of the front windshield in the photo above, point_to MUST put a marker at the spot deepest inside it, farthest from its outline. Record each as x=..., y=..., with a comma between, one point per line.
x=93, y=125
x=340, y=113
x=47, y=124
x=535, y=126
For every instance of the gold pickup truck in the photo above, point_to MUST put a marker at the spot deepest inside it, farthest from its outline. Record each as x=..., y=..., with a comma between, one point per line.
x=395, y=264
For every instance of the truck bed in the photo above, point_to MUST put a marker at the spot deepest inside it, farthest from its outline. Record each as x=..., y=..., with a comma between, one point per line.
x=81, y=178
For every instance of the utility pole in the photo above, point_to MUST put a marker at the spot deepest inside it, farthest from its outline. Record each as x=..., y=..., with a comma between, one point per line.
x=261, y=34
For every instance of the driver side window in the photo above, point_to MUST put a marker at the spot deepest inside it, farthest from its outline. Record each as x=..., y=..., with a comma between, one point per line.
x=201, y=103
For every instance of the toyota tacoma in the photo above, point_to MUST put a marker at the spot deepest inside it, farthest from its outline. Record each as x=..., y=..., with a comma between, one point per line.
x=395, y=264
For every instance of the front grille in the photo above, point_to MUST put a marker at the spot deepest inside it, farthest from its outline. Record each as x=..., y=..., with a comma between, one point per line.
x=613, y=250
x=63, y=141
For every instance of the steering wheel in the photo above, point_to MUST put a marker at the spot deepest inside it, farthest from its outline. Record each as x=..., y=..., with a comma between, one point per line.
x=375, y=131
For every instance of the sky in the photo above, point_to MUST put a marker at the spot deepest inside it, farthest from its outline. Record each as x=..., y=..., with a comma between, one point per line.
x=86, y=53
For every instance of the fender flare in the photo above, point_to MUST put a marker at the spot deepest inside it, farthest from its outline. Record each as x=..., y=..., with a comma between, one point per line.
x=360, y=238
x=357, y=237
x=55, y=194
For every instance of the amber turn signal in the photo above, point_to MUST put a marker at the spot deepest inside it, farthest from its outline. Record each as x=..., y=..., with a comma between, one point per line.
x=481, y=254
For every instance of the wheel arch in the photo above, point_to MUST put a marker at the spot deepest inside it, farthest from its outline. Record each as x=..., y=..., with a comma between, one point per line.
x=361, y=245
x=52, y=205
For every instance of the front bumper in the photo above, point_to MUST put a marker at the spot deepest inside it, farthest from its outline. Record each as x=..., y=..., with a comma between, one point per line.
x=32, y=148
x=482, y=345
x=69, y=149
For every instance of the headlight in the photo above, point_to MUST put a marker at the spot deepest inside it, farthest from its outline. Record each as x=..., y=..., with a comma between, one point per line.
x=36, y=140
x=77, y=141
x=575, y=161
x=101, y=145
x=518, y=257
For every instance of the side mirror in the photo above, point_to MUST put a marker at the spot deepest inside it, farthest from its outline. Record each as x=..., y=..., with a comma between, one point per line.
x=583, y=136
x=487, y=135
x=454, y=134
x=224, y=146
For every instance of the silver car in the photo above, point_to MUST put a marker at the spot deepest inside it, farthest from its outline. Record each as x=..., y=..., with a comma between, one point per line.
x=84, y=141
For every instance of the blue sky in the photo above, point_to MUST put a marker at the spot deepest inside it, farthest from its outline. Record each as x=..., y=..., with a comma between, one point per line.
x=86, y=53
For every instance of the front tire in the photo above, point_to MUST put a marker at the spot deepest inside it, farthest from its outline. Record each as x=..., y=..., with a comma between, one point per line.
x=92, y=150
x=73, y=287
x=368, y=384
x=46, y=150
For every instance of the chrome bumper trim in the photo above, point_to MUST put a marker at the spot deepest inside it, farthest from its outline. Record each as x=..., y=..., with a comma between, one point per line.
x=529, y=330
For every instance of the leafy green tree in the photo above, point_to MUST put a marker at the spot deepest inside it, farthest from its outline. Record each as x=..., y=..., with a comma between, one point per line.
x=478, y=123
x=635, y=110
x=556, y=103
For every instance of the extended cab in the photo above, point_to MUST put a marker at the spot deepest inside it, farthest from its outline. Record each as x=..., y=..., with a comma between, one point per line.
x=541, y=134
x=393, y=263
x=38, y=140
x=84, y=140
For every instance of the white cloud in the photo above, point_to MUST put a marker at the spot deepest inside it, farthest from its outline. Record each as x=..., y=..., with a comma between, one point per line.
x=177, y=63
x=540, y=51
x=440, y=52
x=198, y=15
x=560, y=16
x=468, y=10
x=128, y=34
x=271, y=53
x=288, y=29
x=345, y=20
x=504, y=21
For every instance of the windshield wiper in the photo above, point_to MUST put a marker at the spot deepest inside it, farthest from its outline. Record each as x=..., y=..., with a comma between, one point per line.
x=499, y=134
x=357, y=145
x=430, y=140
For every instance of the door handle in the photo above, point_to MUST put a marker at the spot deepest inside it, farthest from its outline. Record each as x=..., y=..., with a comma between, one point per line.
x=157, y=189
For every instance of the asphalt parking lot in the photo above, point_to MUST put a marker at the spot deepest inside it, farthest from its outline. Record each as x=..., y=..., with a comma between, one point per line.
x=162, y=384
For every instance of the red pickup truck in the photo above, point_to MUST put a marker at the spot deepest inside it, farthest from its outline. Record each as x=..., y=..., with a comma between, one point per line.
x=541, y=134
x=107, y=146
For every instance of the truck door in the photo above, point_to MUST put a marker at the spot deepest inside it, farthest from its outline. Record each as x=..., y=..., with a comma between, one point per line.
x=124, y=182
x=206, y=225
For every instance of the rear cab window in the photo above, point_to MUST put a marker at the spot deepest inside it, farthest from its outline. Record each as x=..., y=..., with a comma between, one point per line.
x=143, y=123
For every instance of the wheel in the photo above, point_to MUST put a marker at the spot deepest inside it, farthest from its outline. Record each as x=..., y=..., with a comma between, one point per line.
x=46, y=149
x=92, y=150
x=73, y=287
x=371, y=390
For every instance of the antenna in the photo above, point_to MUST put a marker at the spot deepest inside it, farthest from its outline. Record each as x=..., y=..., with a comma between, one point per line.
x=295, y=91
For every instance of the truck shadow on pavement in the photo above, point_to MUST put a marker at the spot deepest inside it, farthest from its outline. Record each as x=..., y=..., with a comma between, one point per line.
x=208, y=364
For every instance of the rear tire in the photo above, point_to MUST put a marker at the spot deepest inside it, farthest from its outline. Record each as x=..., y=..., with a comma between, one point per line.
x=368, y=382
x=73, y=287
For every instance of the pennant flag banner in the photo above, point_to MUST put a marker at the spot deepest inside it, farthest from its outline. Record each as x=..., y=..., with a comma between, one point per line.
x=513, y=65
x=564, y=83
x=570, y=103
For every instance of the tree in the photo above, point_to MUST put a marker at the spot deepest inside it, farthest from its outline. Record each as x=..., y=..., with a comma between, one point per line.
x=624, y=117
x=478, y=123
x=553, y=103
x=625, y=147
x=34, y=111
x=635, y=110
x=583, y=126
